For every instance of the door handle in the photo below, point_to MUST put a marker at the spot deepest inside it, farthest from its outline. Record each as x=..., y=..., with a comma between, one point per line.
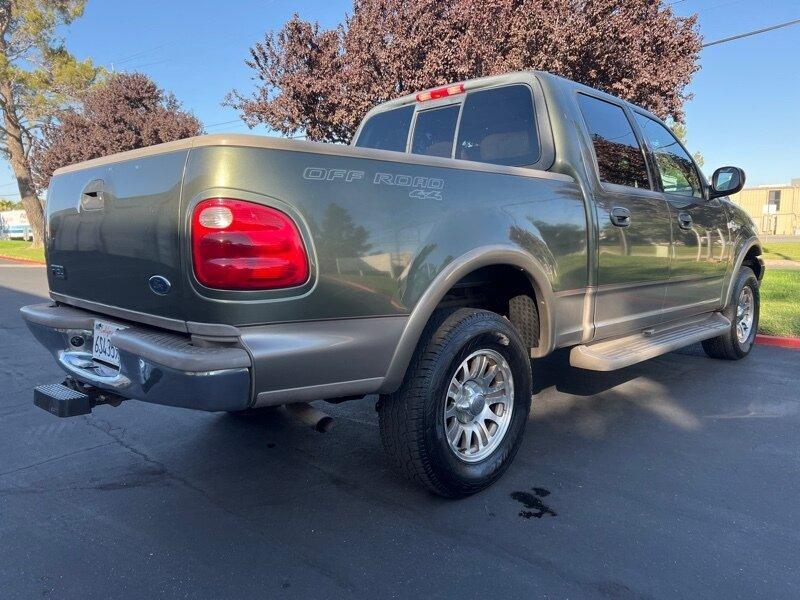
x=685, y=220
x=620, y=217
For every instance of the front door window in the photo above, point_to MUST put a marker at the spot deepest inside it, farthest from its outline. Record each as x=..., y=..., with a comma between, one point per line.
x=675, y=166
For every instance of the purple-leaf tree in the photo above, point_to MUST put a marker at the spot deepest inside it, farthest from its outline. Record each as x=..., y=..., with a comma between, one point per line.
x=125, y=112
x=322, y=82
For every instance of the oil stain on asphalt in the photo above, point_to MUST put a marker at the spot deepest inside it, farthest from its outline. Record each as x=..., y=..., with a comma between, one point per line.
x=533, y=504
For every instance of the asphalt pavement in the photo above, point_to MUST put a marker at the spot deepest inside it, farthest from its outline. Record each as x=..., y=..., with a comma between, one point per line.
x=676, y=478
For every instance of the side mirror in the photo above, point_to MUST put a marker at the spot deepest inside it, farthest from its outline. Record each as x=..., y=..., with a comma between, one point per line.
x=726, y=181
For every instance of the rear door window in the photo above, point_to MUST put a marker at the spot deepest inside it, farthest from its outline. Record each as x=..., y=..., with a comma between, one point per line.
x=387, y=130
x=620, y=159
x=434, y=131
x=498, y=126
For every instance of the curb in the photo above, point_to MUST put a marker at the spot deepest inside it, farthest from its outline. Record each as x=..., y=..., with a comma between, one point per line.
x=29, y=261
x=780, y=342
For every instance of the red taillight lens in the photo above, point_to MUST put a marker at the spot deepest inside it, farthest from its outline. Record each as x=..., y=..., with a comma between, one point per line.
x=238, y=245
x=444, y=92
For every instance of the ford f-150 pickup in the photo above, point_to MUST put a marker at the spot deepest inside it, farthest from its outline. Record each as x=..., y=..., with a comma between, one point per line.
x=466, y=230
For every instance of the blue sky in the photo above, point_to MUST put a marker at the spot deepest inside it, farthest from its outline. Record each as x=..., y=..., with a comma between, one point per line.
x=745, y=111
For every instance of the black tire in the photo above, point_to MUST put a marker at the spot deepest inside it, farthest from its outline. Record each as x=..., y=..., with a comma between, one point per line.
x=522, y=312
x=412, y=419
x=728, y=346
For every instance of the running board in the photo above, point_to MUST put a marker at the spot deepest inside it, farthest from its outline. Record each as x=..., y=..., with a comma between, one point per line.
x=623, y=352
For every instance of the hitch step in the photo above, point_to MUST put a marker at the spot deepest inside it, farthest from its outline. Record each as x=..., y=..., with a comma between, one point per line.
x=61, y=400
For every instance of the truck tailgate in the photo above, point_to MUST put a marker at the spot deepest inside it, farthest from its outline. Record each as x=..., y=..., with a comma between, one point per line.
x=112, y=228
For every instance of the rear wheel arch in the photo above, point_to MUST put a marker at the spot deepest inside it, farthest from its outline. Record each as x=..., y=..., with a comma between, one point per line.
x=459, y=270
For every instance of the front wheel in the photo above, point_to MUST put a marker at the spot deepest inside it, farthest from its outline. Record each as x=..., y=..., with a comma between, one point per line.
x=743, y=311
x=457, y=421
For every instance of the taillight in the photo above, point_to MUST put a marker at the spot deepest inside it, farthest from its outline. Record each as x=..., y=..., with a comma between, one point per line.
x=443, y=92
x=238, y=245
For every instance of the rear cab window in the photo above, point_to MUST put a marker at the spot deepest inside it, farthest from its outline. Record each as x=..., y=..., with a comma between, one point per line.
x=493, y=125
x=434, y=131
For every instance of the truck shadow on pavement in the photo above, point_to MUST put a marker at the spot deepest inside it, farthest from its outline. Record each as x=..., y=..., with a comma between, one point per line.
x=554, y=371
x=272, y=458
x=238, y=459
x=570, y=407
x=678, y=449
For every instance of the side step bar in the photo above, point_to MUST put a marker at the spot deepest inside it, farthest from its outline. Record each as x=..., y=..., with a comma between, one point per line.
x=623, y=352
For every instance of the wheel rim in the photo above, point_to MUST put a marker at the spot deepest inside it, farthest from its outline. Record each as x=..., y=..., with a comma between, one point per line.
x=745, y=314
x=479, y=404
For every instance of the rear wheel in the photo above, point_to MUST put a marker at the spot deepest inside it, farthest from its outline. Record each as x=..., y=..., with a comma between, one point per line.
x=455, y=424
x=743, y=312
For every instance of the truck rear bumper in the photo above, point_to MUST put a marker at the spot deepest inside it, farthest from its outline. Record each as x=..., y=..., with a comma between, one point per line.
x=155, y=366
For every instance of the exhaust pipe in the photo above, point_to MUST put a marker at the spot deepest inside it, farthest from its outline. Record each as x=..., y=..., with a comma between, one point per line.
x=314, y=418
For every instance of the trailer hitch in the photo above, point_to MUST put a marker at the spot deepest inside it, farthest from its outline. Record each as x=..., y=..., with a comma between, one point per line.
x=72, y=398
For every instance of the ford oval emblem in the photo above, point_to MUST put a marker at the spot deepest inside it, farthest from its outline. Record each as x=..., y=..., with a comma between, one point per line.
x=160, y=285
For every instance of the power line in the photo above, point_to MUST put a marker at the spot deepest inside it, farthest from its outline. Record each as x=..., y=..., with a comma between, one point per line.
x=223, y=123
x=150, y=64
x=138, y=54
x=299, y=136
x=749, y=33
x=238, y=122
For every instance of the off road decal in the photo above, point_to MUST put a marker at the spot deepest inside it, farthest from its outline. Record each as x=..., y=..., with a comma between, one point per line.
x=420, y=188
x=318, y=174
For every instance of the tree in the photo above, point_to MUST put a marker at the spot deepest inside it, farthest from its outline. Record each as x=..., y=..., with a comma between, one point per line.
x=37, y=75
x=8, y=204
x=679, y=129
x=125, y=112
x=340, y=236
x=322, y=82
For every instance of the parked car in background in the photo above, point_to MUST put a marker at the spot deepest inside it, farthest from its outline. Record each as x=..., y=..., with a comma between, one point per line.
x=468, y=229
x=14, y=225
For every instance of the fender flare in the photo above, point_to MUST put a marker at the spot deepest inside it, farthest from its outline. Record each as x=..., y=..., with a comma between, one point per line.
x=737, y=264
x=484, y=256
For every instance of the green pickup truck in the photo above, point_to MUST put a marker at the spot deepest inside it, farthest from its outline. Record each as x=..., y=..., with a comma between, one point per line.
x=466, y=230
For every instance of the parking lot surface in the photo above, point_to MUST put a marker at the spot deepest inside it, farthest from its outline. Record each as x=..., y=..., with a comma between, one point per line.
x=676, y=478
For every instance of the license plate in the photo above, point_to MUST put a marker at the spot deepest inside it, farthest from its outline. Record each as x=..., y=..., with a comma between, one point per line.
x=102, y=348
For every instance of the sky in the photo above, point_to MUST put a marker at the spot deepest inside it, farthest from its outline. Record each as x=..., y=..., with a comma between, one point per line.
x=745, y=110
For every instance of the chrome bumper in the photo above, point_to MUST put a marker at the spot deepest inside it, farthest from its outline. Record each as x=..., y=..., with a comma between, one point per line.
x=155, y=366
